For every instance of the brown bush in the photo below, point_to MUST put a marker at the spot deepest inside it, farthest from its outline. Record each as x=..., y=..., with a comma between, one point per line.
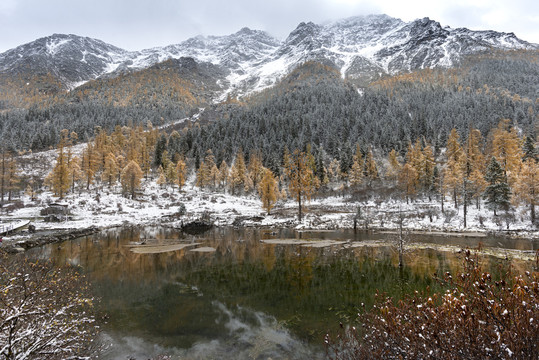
x=477, y=317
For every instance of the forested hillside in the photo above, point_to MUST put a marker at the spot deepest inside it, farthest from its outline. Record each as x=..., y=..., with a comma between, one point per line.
x=313, y=105
x=34, y=114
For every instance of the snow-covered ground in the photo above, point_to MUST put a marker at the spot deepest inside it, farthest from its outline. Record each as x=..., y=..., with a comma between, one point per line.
x=106, y=207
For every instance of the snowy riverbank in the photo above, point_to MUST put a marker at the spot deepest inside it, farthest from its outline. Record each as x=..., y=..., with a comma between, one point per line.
x=163, y=206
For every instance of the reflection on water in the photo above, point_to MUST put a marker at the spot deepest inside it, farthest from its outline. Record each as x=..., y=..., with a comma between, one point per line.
x=247, y=299
x=243, y=334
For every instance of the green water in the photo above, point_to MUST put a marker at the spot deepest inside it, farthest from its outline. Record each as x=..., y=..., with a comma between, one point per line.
x=246, y=300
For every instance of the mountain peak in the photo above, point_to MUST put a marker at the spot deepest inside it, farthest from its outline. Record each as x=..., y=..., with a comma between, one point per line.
x=246, y=31
x=361, y=47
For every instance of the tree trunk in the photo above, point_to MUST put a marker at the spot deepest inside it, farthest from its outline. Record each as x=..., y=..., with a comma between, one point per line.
x=401, y=242
x=299, y=205
x=442, y=201
x=2, y=176
x=465, y=202
x=465, y=210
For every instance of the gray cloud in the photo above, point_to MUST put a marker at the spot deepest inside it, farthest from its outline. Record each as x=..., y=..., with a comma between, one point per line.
x=135, y=25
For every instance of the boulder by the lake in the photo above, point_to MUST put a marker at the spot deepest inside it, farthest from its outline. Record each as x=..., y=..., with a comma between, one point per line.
x=241, y=220
x=54, y=218
x=196, y=227
x=55, y=209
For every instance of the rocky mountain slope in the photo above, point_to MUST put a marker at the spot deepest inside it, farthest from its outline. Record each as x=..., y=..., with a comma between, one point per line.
x=362, y=48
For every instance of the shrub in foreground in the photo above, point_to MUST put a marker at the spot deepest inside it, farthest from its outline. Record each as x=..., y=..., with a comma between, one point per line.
x=478, y=317
x=45, y=312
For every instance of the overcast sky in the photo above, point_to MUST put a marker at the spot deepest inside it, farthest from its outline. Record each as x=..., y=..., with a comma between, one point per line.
x=140, y=24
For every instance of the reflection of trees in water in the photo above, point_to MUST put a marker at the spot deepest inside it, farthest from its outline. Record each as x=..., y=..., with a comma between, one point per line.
x=106, y=256
x=299, y=272
x=305, y=287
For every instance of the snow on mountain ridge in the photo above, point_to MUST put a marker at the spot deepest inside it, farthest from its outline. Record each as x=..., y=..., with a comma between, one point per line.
x=361, y=47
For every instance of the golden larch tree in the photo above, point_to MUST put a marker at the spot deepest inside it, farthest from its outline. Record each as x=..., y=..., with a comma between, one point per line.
x=474, y=166
x=170, y=173
x=355, y=174
x=408, y=181
x=428, y=163
x=60, y=173
x=75, y=171
x=238, y=173
x=506, y=148
x=526, y=187
x=110, y=169
x=268, y=189
x=181, y=172
x=223, y=174
x=395, y=166
x=202, y=175
x=255, y=168
x=89, y=164
x=453, y=171
x=8, y=174
x=371, y=170
x=131, y=178
x=301, y=179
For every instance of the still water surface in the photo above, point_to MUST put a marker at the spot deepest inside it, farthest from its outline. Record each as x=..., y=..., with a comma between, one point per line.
x=247, y=299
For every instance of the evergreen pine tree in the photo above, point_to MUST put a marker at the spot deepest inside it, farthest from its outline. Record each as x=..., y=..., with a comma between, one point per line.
x=159, y=148
x=530, y=152
x=497, y=193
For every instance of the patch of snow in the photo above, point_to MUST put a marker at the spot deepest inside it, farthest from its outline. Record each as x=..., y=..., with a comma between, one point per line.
x=54, y=46
x=77, y=84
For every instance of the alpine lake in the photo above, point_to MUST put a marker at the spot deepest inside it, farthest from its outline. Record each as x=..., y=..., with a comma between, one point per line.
x=255, y=293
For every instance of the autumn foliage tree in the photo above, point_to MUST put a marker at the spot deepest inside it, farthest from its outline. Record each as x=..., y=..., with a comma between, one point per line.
x=453, y=172
x=408, y=181
x=371, y=170
x=505, y=146
x=301, y=180
x=131, y=178
x=395, y=166
x=59, y=177
x=239, y=178
x=268, y=189
x=526, y=187
x=181, y=173
x=110, y=169
x=255, y=169
x=89, y=164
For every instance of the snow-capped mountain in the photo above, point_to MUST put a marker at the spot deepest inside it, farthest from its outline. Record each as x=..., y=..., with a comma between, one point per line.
x=360, y=47
x=70, y=58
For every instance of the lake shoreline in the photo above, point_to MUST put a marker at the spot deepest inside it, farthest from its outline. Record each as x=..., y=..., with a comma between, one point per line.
x=27, y=240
